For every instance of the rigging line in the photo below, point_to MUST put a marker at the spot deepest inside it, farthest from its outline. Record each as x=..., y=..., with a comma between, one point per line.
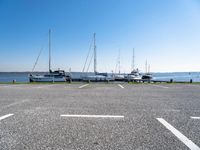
x=116, y=67
x=133, y=60
x=90, y=62
x=37, y=59
x=43, y=46
x=87, y=55
x=118, y=63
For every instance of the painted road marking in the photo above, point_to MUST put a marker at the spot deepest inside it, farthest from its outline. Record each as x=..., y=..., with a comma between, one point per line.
x=82, y=86
x=15, y=103
x=195, y=117
x=43, y=86
x=9, y=86
x=93, y=116
x=179, y=135
x=120, y=86
x=160, y=86
x=192, y=85
x=5, y=116
x=5, y=86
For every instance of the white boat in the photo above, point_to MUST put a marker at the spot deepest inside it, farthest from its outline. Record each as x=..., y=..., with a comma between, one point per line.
x=94, y=78
x=118, y=76
x=51, y=76
x=55, y=76
x=135, y=75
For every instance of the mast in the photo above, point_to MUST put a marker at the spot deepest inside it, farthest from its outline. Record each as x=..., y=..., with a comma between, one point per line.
x=149, y=68
x=133, y=63
x=119, y=61
x=49, y=50
x=95, y=57
x=146, y=67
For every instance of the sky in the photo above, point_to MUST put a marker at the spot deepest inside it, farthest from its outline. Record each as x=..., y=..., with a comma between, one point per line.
x=166, y=33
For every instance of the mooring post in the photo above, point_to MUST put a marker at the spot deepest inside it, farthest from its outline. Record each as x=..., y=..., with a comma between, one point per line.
x=190, y=80
x=107, y=81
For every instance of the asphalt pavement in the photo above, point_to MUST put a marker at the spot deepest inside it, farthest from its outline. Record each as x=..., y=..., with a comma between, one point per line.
x=117, y=116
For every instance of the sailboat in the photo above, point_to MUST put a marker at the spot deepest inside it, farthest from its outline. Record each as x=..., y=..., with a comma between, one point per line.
x=147, y=75
x=97, y=76
x=51, y=76
x=118, y=76
x=135, y=74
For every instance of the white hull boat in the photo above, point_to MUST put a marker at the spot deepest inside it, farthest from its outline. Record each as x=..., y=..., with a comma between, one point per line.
x=51, y=76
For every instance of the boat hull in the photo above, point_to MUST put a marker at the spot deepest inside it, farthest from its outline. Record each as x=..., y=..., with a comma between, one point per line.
x=97, y=78
x=46, y=79
x=119, y=77
x=147, y=77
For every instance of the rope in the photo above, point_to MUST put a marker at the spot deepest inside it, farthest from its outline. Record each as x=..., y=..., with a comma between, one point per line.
x=37, y=59
x=90, y=62
x=87, y=56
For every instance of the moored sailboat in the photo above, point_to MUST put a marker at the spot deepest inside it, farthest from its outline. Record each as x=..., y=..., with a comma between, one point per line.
x=97, y=76
x=135, y=75
x=147, y=75
x=51, y=76
x=118, y=76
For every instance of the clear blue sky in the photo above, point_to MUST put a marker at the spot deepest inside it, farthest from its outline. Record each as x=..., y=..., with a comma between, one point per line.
x=165, y=32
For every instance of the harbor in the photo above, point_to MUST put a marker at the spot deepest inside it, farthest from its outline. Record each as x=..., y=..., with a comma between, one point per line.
x=99, y=75
x=62, y=76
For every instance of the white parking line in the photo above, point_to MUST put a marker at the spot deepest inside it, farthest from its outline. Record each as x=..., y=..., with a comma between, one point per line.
x=43, y=86
x=120, y=86
x=192, y=85
x=9, y=86
x=179, y=135
x=4, y=86
x=15, y=103
x=93, y=116
x=160, y=86
x=5, y=116
x=82, y=86
x=195, y=117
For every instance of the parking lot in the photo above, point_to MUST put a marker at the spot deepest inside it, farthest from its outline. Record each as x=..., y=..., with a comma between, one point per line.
x=100, y=116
